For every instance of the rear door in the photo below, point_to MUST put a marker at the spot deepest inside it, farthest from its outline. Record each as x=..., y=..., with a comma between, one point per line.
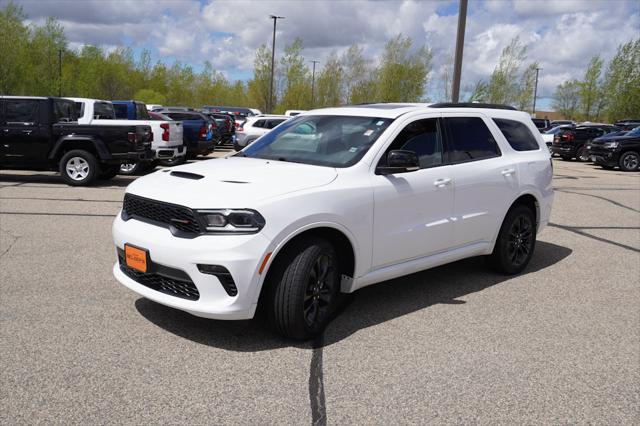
x=25, y=132
x=485, y=179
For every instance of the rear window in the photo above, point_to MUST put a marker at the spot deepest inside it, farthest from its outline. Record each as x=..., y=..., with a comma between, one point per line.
x=517, y=134
x=21, y=111
x=121, y=111
x=141, y=111
x=103, y=111
x=64, y=111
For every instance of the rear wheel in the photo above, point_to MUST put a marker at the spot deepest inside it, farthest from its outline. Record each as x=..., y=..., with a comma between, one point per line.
x=303, y=289
x=78, y=167
x=629, y=161
x=516, y=241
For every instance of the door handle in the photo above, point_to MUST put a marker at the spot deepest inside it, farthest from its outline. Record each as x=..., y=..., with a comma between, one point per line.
x=441, y=183
x=508, y=172
x=5, y=130
x=27, y=132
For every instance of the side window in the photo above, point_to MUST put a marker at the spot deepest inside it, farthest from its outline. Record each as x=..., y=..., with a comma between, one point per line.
x=79, y=109
x=103, y=110
x=421, y=137
x=64, y=111
x=469, y=140
x=517, y=134
x=259, y=123
x=141, y=112
x=273, y=123
x=21, y=111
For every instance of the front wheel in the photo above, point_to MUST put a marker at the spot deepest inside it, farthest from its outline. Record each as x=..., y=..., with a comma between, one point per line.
x=516, y=241
x=629, y=161
x=78, y=167
x=303, y=289
x=583, y=154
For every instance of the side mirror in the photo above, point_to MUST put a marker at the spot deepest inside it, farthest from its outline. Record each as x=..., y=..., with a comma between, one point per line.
x=399, y=161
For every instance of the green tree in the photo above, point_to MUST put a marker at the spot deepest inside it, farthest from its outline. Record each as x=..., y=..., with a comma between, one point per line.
x=150, y=96
x=258, y=86
x=296, y=84
x=402, y=75
x=330, y=82
x=479, y=92
x=622, y=82
x=359, y=84
x=590, y=89
x=566, y=99
x=14, y=38
x=503, y=87
x=526, y=88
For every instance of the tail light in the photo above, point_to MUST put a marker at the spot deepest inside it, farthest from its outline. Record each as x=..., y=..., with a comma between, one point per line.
x=165, y=133
x=132, y=137
x=239, y=127
x=203, y=132
x=567, y=137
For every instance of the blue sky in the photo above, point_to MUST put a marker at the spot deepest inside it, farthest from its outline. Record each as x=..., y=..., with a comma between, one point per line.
x=562, y=35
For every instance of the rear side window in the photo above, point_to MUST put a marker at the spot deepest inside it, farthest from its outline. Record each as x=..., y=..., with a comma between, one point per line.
x=273, y=123
x=469, y=140
x=141, y=112
x=517, y=134
x=259, y=123
x=21, y=111
x=64, y=111
x=103, y=110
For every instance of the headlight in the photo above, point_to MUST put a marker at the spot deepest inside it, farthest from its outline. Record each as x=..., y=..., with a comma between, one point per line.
x=611, y=145
x=232, y=220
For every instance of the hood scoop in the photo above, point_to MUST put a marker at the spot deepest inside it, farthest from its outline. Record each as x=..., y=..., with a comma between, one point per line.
x=233, y=181
x=186, y=175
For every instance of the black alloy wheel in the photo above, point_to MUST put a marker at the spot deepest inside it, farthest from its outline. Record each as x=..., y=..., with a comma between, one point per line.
x=320, y=290
x=629, y=161
x=516, y=241
x=520, y=240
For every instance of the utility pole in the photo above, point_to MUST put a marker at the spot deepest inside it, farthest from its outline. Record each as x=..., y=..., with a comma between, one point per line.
x=313, y=83
x=535, y=92
x=457, y=68
x=273, y=53
x=59, y=72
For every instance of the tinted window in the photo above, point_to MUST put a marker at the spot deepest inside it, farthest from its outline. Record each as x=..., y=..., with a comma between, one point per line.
x=421, y=137
x=517, y=134
x=469, y=139
x=259, y=123
x=79, y=108
x=21, y=111
x=121, y=111
x=64, y=111
x=141, y=112
x=273, y=123
x=103, y=110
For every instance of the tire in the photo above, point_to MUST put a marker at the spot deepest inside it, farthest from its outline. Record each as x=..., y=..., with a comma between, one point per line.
x=176, y=161
x=516, y=241
x=78, y=167
x=629, y=161
x=130, y=169
x=108, y=172
x=565, y=157
x=582, y=154
x=299, y=304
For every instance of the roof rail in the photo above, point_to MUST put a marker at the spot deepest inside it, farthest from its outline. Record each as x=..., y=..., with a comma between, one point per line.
x=471, y=105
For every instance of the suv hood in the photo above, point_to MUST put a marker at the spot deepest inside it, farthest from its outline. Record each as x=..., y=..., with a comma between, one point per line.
x=231, y=182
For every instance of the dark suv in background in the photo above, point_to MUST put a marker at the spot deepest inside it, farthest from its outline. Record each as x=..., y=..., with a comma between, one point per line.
x=572, y=143
x=617, y=150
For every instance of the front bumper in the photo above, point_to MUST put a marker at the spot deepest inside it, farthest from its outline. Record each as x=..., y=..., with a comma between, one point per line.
x=241, y=255
x=604, y=157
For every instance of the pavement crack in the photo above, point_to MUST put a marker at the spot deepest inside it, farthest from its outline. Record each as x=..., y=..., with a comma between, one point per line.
x=14, y=239
x=316, y=383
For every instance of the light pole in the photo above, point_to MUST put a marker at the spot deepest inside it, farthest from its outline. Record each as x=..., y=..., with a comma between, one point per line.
x=535, y=92
x=313, y=82
x=273, y=53
x=59, y=72
x=457, y=67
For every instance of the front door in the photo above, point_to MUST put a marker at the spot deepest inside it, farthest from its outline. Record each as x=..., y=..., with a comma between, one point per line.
x=24, y=140
x=412, y=210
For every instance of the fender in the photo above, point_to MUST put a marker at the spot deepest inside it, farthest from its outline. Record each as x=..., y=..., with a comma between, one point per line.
x=96, y=143
x=276, y=247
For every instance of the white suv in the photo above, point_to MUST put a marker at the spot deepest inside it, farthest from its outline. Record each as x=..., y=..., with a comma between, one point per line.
x=255, y=127
x=332, y=201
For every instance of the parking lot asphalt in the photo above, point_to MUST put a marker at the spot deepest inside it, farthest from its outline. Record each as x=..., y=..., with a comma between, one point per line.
x=457, y=344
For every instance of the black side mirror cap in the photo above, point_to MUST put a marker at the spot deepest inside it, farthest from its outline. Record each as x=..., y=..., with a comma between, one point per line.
x=399, y=161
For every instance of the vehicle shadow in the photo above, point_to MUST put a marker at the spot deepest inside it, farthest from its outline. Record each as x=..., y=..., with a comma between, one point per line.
x=368, y=307
x=55, y=179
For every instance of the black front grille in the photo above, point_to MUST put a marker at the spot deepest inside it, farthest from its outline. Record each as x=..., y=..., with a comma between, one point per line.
x=170, y=215
x=184, y=289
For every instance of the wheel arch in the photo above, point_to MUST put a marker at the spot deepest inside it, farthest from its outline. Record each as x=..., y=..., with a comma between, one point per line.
x=528, y=199
x=339, y=238
x=85, y=143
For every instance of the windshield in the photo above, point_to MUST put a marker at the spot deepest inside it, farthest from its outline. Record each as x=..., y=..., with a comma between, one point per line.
x=634, y=132
x=323, y=140
x=555, y=130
